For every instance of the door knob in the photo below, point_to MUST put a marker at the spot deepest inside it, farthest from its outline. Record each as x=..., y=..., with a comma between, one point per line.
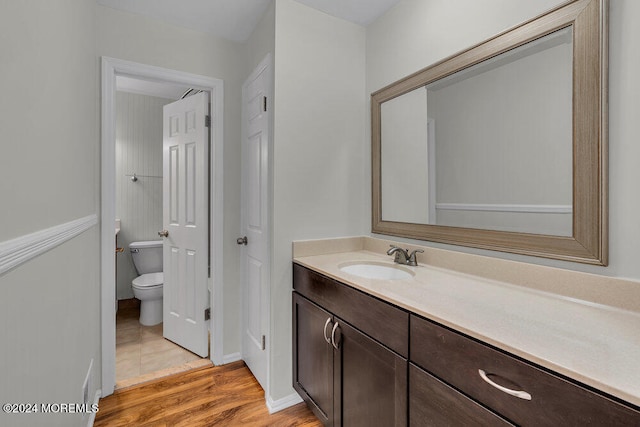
x=242, y=240
x=163, y=233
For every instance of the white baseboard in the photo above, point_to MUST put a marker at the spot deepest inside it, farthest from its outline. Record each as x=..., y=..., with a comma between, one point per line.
x=280, y=404
x=92, y=416
x=233, y=357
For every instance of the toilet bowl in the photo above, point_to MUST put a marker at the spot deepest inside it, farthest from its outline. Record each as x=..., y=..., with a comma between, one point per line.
x=147, y=287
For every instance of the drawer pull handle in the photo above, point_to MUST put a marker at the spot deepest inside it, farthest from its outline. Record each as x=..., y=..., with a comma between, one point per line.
x=517, y=393
x=333, y=337
x=326, y=337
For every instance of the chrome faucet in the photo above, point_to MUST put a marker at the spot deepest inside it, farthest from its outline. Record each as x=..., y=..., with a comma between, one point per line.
x=403, y=256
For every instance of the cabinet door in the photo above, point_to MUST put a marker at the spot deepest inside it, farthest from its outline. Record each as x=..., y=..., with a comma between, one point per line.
x=313, y=357
x=370, y=382
x=433, y=403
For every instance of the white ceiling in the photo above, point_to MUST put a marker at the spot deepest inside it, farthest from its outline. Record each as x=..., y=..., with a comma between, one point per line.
x=235, y=19
x=361, y=12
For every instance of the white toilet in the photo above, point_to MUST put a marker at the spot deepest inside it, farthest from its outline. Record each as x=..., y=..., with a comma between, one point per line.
x=147, y=258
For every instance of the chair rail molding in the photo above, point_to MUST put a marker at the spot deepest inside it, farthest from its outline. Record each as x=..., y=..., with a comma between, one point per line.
x=17, y=251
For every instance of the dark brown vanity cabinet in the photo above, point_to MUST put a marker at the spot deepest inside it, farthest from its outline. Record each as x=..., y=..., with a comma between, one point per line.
x=353, y=365
x=345, y=376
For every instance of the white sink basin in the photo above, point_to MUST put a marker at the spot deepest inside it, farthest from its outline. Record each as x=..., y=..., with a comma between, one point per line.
x=372, y=270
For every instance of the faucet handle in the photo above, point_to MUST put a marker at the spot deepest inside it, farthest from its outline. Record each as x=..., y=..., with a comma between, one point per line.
x=401, y=255
x=412, y=257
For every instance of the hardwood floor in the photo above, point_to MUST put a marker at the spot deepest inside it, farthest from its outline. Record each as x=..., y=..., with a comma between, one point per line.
x=217, y=396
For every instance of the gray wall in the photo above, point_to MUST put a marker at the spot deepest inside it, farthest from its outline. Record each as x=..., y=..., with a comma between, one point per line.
x=319, y=180
x=503, y=137
x=405, y=158
x=138, y=204
x=50, y=306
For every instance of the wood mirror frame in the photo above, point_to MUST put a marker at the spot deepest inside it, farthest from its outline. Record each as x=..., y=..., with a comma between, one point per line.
x=589, y=241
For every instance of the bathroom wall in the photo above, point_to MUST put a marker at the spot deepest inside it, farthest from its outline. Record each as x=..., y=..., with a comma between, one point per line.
x=149, y=41
x=507, y=150
x=415, y=34
x=319, y=183
x=139, y=151
x=49, y=166
x=405, y=149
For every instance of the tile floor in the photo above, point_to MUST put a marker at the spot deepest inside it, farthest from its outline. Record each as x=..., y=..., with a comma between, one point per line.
x=142, y=354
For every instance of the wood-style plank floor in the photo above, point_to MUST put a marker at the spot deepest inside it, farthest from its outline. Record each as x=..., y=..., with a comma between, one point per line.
x=216, y=396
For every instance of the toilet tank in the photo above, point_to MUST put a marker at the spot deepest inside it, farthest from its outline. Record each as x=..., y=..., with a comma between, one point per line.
x=147, y=256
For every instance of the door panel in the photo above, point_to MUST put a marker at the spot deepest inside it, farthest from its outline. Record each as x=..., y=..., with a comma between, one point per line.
x=313, y=357
x=185, y=217
x=370, y=381
x=254, y=321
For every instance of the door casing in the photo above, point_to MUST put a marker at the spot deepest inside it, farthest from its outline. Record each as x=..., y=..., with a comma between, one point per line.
x=111, y=68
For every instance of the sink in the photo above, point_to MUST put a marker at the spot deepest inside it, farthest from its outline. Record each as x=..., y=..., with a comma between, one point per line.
x=373, y=270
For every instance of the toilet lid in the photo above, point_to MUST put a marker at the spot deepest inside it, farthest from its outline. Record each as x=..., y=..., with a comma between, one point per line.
x=149, y=280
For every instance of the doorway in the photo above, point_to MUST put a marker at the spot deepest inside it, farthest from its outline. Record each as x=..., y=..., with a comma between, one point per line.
x=112, y=68
x=149, y=342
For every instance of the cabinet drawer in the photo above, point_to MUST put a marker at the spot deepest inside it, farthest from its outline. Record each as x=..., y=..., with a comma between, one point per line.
x=380, y=320
x=456, y=359
x=433, y=403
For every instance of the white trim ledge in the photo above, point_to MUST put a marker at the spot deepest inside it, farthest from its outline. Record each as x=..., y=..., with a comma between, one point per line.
x=17, y=251
x=555, y=209
x=284, y=403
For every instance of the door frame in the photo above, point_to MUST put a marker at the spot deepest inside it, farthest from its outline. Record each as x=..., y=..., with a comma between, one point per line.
x=112, y=67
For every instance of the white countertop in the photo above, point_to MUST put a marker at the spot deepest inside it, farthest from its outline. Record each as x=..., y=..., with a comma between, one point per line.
x=596, y=344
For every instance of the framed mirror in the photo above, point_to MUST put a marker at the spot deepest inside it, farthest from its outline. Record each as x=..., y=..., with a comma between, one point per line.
x=504, y=145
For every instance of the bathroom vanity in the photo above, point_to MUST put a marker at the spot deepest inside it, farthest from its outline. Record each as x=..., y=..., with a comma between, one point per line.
x=429, y=350
x=350, y=353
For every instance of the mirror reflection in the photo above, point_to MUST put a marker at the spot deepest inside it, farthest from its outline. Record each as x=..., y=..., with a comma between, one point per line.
x=488, y=147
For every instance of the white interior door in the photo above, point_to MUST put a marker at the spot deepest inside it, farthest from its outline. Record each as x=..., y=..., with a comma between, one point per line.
x=255, y=203
x=185, y=222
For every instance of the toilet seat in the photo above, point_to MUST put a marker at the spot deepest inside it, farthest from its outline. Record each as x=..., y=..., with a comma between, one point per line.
x=148, y=281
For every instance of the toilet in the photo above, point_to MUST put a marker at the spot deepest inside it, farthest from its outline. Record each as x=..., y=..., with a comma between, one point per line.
x=147, y=287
